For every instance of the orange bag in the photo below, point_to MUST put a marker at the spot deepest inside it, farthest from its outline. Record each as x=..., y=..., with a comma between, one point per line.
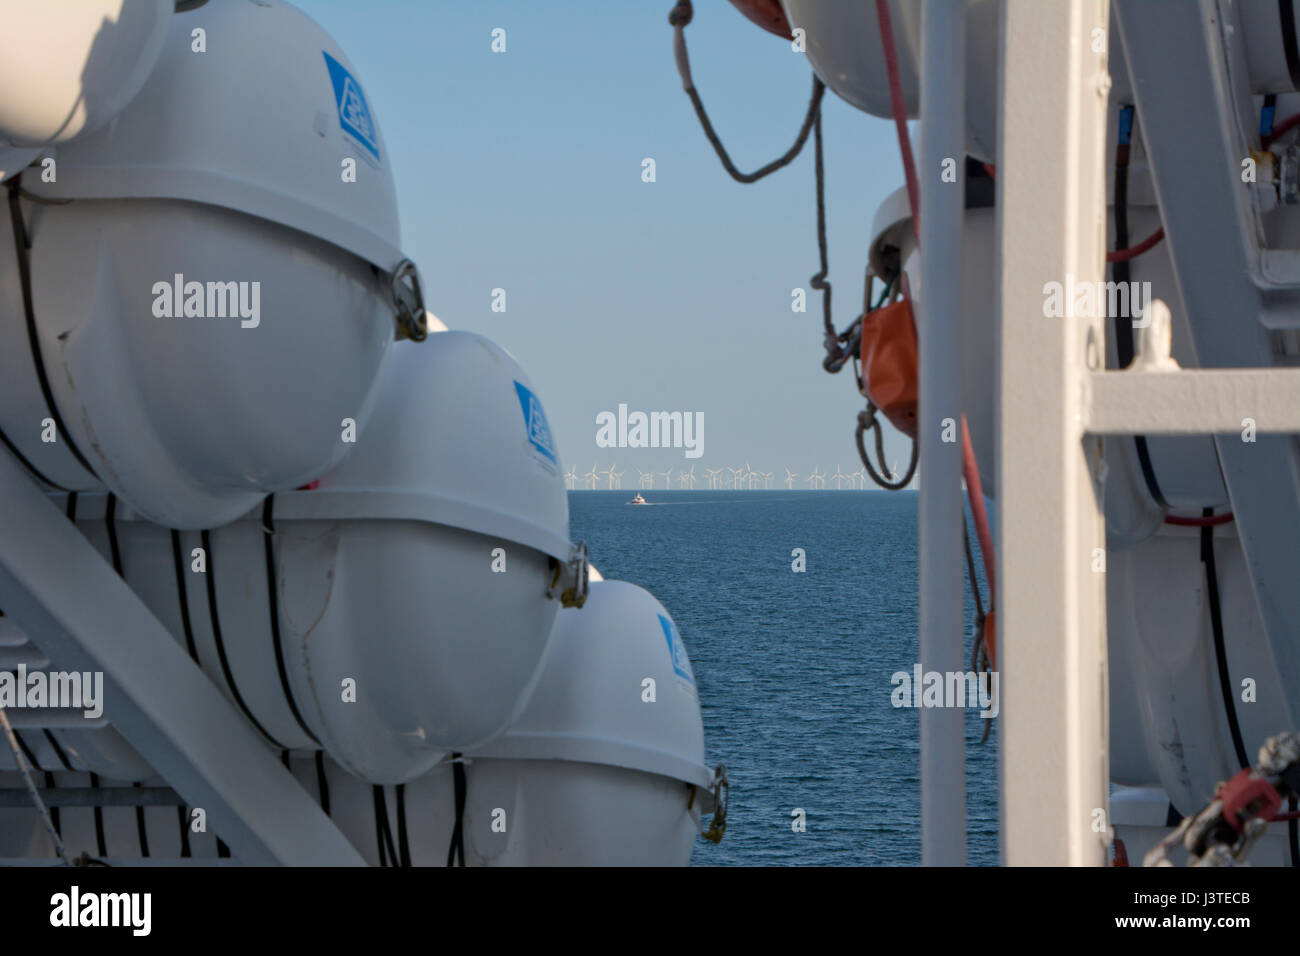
x=889, y=363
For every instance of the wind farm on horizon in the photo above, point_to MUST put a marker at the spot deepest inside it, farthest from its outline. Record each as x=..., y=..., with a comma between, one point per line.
x=744, y=478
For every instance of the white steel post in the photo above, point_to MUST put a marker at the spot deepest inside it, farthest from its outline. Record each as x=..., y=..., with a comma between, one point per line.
x=942, y=213
x=1053, y=763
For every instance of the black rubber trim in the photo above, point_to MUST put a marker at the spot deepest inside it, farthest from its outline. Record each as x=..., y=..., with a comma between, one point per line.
x=141, y=831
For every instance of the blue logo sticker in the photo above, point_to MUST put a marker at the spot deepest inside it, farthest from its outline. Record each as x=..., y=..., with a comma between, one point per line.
x=354, y=114
x=677, y=650
x=539, y=432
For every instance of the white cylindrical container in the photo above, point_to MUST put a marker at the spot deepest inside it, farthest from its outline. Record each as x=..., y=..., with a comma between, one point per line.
x=210, y=296
x=67, y=69
x=842, y=41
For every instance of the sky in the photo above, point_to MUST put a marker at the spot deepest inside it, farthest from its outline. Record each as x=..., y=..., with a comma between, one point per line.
x=522, y=171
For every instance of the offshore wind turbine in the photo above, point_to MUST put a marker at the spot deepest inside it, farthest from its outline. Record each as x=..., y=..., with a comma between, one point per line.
x=767, y=479
x=735, y=476
x=838, y=477
x=711, y=475
x=615, y=477
x=687, y=478
x=816, y=479
x=647, y=479
x=668, y=478
x=790, y=476
x=591, y=477
x=571, y=478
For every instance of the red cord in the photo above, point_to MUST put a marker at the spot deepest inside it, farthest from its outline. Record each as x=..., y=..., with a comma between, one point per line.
x=900, y=114
x=1124, y=255
x=970, y=469
x=1199, y=522
x=1283, y=127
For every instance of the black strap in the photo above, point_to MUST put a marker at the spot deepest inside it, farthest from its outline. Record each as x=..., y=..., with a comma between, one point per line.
x=1220, y=649
x=40, y=476
x=141, y=831
x=1286, y=14
x=58, y=751
x=403, y=844
x=211, y=575
x=383, y=831
x=22, y=244
x=99, y=820
x=268, y=536
x=1120, y=273
x=182, y=817
x=322, y=783
x=182, y=595
x=457, y=848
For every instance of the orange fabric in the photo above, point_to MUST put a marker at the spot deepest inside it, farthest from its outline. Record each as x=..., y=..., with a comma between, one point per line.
x=889, y=363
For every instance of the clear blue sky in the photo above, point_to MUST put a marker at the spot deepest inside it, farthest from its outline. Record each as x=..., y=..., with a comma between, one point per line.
x=522, y=171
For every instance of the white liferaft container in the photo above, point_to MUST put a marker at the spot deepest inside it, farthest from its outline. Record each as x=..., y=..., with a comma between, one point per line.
x=413, y=587
x=213, y=304
x=842, y=42
x=68, y=68
x=593, y=773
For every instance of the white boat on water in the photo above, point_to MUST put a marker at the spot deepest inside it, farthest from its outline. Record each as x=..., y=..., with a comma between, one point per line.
x=638, y=500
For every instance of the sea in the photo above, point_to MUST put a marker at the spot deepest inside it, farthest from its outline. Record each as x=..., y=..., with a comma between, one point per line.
x=794, y=669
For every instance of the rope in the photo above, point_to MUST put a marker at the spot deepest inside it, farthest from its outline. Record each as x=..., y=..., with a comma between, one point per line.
x=867, y=420
x=680, y=16
x=21, y=761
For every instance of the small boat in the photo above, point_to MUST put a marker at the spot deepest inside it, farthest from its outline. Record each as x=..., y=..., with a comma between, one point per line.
x=638, y=500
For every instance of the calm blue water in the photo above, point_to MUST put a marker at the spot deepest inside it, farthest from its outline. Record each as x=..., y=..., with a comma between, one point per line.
x=793, y=669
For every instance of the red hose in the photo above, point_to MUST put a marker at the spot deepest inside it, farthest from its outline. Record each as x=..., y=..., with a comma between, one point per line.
x=900, y=114
x=1199, y=522
x=970, y=469
x=1132, y=252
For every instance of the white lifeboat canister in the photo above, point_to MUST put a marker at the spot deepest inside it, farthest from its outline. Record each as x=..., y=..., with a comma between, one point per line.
x=69, y=68
x=415, y=587
x=598, y=771
x=212, y=277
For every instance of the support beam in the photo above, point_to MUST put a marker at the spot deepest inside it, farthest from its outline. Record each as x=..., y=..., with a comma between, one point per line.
x=1053, y=767
x=1189, y=112
x=73, y=606
x=943, y=210
x=1194, y=402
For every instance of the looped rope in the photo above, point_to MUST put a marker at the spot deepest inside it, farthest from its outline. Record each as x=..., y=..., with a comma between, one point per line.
x=867, y=421
x=680, y=16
